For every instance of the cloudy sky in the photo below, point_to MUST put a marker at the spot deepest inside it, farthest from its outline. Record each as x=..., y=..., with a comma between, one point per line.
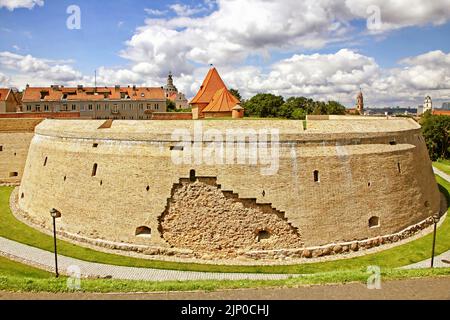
x=397, y=51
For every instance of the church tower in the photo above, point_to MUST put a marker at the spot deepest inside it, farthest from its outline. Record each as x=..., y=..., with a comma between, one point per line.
x=360, y=102
x=428, y=104
x=170, y=88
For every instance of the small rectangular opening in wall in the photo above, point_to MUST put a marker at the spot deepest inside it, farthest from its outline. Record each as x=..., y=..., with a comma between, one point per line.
x=94, y=170
x=13, y=174
x=399, y=167
x=393, y=142
x=95, y=145
x=45, y=161
x=316, y=176
x=176, y=148
x=1, y=148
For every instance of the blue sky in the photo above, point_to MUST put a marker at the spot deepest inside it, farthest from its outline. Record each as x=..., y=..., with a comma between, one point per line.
x=311, y=48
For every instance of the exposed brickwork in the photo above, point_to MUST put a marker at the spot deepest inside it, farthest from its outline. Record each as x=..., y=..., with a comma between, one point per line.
x=358, y=165
x=201, y=217
x=41, y=115
x=171, y=115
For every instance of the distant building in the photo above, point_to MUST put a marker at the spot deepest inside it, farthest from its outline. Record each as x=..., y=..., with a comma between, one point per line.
x=9, y=101
x=446, y=106
x=124, y=103
x=441, y=112
x=360, y=103
x=428, y=104
x=213, y=99
x=173, y=95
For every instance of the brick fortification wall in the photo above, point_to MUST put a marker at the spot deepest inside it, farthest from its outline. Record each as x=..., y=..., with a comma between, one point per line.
x=40, y=115
x=15, y=138
x=368, y=171
x=171, y=115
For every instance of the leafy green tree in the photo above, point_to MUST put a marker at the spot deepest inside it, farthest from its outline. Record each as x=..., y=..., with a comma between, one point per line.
x=264, y=105
x=295, y=105
x=236, y=93
x=335, y=108
x=436, y=131
x=171, y=106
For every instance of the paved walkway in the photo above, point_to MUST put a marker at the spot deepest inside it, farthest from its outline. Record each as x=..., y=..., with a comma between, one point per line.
x=442, y=174
x=439, y=261
x=45, y=260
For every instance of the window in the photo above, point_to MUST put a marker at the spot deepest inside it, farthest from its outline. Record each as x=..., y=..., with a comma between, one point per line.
x=28, y=108
x=1, y=148
x=82, y=108
x=176, y=148
x=98, y=107
x=316, y=176
x=95, y=145
x=192, y=176
x=143, y=232
x=90, y=107
x=22, y=196
x=13, y=174
x=106, y=106
x=374, y=222
x=94, y=170
x=263, y=235
x=148, y=188
x=38, y=108
x=74, y=107
x=46, y=108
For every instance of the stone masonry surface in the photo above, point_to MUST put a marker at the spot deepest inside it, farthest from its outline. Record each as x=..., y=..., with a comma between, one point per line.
x=375, y=179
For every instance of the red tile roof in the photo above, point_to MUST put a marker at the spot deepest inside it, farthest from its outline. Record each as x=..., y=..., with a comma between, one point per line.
x=437, y=112
x=223, y=101
x=33, y=94
x=212, y=83
x=4, y=94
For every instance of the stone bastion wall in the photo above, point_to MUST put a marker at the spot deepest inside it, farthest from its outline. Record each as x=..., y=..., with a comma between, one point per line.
x=15, y=139
x=338, y=181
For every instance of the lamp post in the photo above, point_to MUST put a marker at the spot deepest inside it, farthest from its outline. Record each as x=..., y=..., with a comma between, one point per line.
x=435, y=220
x=55, y=214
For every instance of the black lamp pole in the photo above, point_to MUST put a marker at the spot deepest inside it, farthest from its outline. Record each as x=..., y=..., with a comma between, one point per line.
x=55, y=214
x=435, y=220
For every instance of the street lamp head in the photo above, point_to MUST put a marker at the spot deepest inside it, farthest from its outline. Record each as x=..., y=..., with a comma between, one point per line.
x=55, y=213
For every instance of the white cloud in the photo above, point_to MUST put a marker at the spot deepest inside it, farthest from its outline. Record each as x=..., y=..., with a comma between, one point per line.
x=5, y=81
x=184, y=10
x=37, y=69
x=16, y=4
x=155, y=12
x=397, y=14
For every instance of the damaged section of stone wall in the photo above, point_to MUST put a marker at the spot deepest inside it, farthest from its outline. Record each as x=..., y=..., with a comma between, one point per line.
x=201, y=217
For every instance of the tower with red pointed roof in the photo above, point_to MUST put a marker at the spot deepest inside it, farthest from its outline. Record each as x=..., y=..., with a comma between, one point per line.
x=213, y=99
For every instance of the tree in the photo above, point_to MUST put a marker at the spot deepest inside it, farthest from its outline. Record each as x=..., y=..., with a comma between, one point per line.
x=295, y=108
x=264, y=105
x=436, y=131
x=171, y=106
x=336, y=108
x=236, y=93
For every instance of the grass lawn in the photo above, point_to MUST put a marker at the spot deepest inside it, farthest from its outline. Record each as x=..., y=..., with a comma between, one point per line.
x=412, y=252
x=443, y=165
x=16, y=277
